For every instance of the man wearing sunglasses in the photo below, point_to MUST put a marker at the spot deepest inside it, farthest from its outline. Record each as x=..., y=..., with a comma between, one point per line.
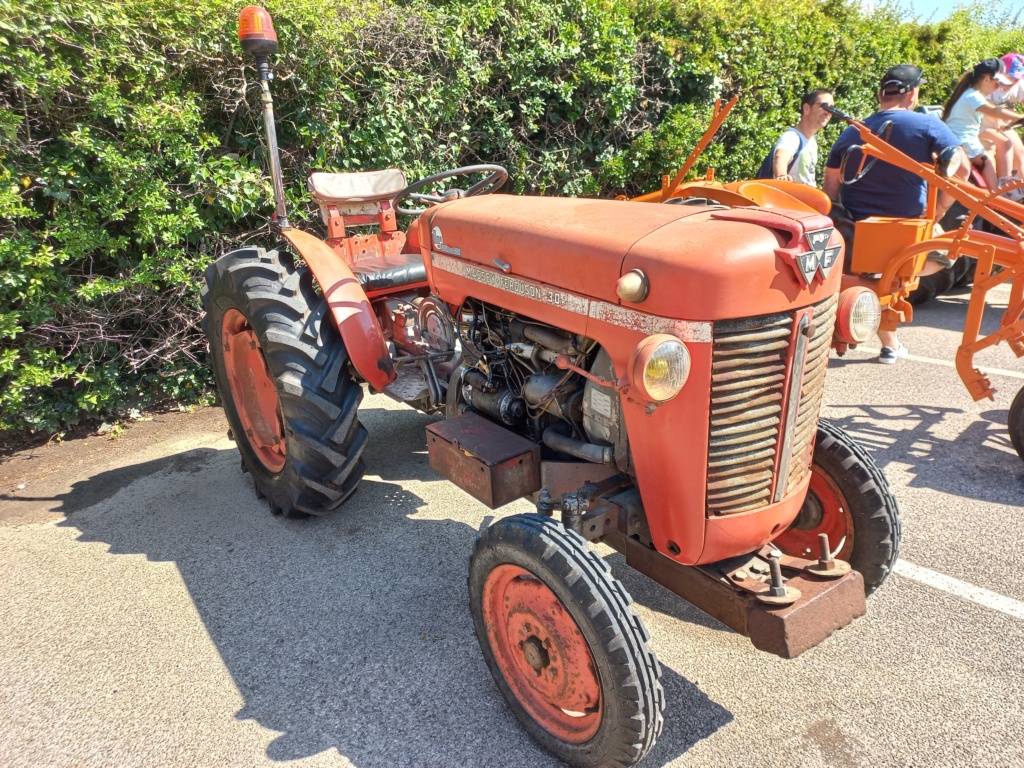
x=795, y=156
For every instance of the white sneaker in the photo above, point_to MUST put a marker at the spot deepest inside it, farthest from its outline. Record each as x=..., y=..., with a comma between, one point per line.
x=888, y=356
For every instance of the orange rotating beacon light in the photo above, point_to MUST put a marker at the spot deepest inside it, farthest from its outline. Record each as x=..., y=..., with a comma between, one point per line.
x=258, y=38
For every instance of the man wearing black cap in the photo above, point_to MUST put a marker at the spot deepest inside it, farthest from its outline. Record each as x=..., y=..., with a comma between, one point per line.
x=886, y=190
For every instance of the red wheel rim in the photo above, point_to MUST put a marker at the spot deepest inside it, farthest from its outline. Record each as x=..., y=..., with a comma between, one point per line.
x=253, y=391
x=542, y=654
x=835, y=521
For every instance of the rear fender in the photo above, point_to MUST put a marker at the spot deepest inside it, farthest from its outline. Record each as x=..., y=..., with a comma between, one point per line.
x=353, y=316
x=776, y=193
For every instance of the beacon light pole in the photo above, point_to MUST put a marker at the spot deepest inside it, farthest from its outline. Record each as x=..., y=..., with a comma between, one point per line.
x=258, y=38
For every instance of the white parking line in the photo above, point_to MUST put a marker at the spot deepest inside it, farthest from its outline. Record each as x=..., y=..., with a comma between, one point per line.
x=978, y=595
x=947, y=363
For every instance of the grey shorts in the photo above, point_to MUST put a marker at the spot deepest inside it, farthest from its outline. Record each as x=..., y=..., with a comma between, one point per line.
x=940, y=257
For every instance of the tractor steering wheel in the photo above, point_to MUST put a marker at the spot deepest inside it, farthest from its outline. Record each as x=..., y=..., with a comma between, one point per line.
x=497, y=176
x=866, y=162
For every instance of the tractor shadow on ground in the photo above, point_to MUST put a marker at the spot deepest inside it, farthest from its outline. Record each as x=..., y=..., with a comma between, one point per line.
x=939, y=457
x=650, y=594
x=409, y=437
x=949, y=311
x=350, y=632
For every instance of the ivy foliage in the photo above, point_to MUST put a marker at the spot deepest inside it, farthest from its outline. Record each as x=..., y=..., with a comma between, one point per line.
x=130, y=149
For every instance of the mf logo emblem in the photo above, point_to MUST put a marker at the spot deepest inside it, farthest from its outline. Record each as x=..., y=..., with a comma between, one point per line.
x=439, y=245
x=821, y=258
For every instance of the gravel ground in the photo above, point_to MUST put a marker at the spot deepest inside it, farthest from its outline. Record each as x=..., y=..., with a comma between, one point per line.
x=153, y=612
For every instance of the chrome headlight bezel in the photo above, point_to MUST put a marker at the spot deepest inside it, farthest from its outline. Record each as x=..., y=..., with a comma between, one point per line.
x=858, y=315
x=660, y=367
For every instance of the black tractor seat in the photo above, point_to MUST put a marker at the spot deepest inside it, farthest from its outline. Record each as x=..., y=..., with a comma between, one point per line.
x=379, y=274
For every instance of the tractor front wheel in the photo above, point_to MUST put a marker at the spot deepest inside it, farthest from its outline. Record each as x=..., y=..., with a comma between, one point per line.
x=848, y=499
x=282, y=373
x=563, y=643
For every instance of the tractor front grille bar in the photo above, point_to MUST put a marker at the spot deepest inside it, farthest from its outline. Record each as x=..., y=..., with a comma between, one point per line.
x=811, y=391
x=750, y=360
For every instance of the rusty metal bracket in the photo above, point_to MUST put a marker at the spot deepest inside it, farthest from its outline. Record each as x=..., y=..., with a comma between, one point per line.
x=589, y=513
x=824, y=605
x=826, y=566
x=598, y=523
x=759, y=576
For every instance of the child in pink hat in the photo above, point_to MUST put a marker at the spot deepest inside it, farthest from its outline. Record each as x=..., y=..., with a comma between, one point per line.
x=967, y=106
x=1005, y=143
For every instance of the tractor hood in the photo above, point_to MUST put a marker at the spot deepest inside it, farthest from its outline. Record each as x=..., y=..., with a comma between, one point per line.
x=702, y=262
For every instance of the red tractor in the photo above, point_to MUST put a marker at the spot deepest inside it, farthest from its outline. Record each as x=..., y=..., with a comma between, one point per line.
x=650, y=376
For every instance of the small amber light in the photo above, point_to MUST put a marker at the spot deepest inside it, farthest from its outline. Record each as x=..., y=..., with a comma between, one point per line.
x=256, y=31
x=633, y=286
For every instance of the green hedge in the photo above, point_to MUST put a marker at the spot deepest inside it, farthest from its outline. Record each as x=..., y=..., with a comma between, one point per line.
x=131, y=154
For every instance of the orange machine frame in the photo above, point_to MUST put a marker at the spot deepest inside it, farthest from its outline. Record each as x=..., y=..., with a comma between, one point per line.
x=898, y=248
x=673, y=491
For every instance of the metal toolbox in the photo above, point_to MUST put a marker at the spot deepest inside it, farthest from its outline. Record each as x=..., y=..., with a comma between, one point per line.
x=487, y=461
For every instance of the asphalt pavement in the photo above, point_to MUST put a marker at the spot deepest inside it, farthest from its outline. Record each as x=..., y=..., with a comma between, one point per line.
x=153, y=611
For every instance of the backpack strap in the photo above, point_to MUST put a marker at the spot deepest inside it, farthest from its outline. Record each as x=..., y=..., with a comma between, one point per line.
x=803, y=143
x=767, y=169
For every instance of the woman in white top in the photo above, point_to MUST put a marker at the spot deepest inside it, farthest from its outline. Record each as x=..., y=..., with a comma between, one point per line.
x=969, y=103
x=1005, y=144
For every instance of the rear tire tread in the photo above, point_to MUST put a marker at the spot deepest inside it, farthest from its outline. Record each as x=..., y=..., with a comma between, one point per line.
x=306, y=359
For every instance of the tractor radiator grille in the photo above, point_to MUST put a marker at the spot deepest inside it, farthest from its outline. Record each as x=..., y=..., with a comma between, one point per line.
x=748, y=374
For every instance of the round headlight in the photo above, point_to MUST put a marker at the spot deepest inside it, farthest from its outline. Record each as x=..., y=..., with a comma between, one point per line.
x=859, y=315
x=661, y=365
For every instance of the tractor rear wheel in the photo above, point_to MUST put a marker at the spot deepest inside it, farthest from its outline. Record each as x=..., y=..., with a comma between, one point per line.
x=563, y=643
x=1015, y=423
x=964, y=269
x=848, y=499
x=283, y=378
x=930, y=286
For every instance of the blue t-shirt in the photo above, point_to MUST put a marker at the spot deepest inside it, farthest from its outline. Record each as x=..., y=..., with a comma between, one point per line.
x=887, y=190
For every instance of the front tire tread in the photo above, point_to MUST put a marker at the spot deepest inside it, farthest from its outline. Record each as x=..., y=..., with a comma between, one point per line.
x=876, y=546
x=639, y=697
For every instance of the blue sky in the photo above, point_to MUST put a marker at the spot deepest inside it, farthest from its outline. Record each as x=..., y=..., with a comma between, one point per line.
x=937, y=10
x=930, y=10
